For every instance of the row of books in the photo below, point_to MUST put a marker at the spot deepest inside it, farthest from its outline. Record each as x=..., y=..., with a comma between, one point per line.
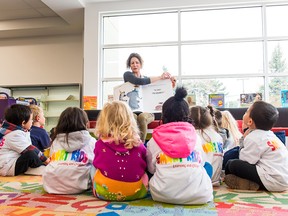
x=150, y=98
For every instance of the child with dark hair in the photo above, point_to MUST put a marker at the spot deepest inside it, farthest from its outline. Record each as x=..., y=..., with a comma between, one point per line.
x=263, y=159
x=17, y=154
x=224, y=132
x=71, y=154
x=212, y=142
x=174, y=156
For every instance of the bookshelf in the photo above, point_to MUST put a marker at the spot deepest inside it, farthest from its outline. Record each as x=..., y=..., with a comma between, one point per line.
x=53, y=99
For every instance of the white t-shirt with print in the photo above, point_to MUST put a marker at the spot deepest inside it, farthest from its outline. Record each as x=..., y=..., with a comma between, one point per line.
x=11, y=147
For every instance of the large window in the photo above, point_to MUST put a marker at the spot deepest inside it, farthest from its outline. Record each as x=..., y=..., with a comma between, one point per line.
x=222, y=58
x=230, y=51
x=221, y=23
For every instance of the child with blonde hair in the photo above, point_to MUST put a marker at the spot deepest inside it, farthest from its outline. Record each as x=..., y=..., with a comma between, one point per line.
x=38, y=134
x=229, y=122
x=71, y=154
x=120, y=155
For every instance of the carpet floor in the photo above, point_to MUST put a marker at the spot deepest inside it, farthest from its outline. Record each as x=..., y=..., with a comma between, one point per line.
x=24, y=195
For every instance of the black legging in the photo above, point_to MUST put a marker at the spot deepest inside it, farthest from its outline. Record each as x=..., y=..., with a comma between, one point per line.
x=244, y=170
x=26, y=160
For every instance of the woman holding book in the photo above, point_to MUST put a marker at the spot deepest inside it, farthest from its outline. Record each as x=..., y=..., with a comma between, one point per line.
x=135, y=63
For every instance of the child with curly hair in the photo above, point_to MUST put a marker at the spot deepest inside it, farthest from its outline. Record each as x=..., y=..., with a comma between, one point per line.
x=120, y=155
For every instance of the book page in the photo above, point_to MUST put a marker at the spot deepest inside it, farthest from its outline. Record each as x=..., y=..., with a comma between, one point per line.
x=131, y=94
x=155, y=94
x=146, y=98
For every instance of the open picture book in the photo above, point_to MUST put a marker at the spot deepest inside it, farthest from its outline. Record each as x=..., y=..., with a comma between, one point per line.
x=144, y=98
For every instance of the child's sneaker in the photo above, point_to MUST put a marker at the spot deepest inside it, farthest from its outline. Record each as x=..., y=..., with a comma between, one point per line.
x=235, y=182
x=35, y=171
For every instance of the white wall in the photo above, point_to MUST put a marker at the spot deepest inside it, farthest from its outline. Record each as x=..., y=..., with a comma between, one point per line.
x=41, y=60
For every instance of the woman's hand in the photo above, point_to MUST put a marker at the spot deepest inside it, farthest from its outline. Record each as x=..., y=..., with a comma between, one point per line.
x=173, y=80
x=165, y=75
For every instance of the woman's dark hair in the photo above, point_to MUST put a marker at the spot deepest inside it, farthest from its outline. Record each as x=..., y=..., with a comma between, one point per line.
x=17, y=113
x=132, y=55
x=71, y=119
x=176, y=108
x=264, y=115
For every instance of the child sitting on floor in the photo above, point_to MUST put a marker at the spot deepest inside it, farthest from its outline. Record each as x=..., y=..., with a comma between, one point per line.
x=174, y=157
x=229, y=122
x=212, y=142
x=17, y=154
x=263, y=158
x=224, y=132
x=120, y=155
x=38, y=134
x=71, y=154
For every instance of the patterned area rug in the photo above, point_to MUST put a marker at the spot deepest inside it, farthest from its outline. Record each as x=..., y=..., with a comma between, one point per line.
x=24, y=195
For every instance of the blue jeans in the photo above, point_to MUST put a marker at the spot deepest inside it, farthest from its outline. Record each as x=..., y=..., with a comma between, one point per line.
x=230, y=154
x=281, y=135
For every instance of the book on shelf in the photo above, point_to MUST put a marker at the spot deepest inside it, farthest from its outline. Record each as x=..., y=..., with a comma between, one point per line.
x=284, y=98
x=144, y=98
x=90, y=102
x=217, y=100
x=248, y=98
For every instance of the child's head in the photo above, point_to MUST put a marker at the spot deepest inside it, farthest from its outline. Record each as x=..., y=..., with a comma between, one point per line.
x=216, y=117
x=71, y=119
x=116, y=121
x=261, y=115
x=20, y=115
x=176, y=108
x=38, y=115
x=201, y=117
x=228, y=121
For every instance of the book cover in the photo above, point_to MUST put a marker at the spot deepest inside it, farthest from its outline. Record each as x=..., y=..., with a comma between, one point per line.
x=90, y=102
x=146, y=98
x=216, y=100
x=248, y=98
x=284, y=98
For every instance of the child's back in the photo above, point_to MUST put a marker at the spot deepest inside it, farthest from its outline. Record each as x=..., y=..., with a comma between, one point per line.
x=175, y=157
x=212, y=142
x=71, y=155
x=120, y=156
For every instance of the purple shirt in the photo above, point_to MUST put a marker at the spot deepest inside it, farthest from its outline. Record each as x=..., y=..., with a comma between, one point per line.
x=118, y=163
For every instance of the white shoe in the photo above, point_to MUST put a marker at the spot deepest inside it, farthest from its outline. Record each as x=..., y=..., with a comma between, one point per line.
x=38, y=171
